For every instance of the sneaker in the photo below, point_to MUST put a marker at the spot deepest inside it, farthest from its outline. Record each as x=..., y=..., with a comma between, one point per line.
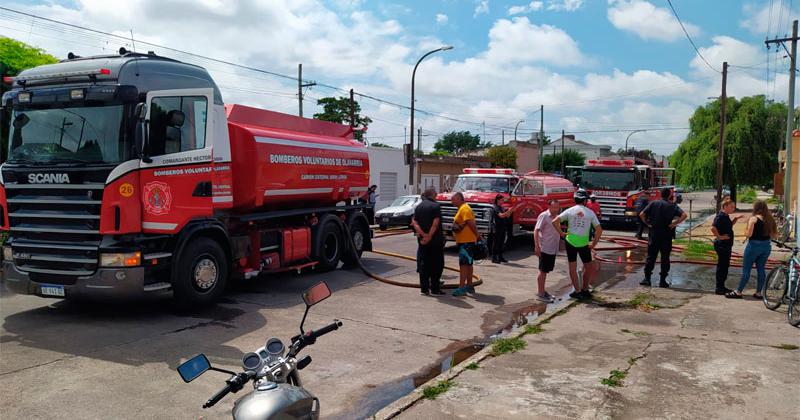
x=574, y=294
x=437, y=292
x=471, y=289
x=663, y=284
x=503, y=260
x=645, y=282
x=461, y=291
x=424, y=293
x=722, y=291
x=583, y=295
x=548, y=298
x=495, y=261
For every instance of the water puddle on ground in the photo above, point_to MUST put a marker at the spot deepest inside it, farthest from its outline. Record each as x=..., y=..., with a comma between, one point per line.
x=382, y=395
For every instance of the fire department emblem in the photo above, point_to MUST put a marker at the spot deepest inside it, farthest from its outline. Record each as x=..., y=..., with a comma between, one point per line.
x=157, y=198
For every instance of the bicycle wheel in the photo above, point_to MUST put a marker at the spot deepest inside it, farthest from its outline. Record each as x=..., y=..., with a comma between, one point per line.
x=775, y=287
x=793, y=315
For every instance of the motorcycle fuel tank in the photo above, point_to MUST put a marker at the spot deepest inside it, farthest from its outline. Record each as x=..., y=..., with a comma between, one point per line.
x=282, y=401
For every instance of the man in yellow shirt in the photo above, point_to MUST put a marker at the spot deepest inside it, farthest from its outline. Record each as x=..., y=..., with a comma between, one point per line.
x=465, y=231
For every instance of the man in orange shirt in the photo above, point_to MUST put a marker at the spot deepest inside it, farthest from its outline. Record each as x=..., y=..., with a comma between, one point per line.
x=465, y=231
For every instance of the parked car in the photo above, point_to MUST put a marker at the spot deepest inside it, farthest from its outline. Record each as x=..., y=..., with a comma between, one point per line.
x=398, y=213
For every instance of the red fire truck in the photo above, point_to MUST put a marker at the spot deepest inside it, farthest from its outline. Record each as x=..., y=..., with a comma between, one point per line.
x=617, y=183
x=531, y=192
x=127, y=175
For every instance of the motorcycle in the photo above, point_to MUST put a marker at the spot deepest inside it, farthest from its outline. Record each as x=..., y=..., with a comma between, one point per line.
x=277, y=389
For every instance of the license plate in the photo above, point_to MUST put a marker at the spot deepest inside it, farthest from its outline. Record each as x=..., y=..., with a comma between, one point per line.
x=385, y=219
x=52, y=290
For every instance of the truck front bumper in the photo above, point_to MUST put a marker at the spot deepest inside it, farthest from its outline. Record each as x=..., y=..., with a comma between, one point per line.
x=104, y=283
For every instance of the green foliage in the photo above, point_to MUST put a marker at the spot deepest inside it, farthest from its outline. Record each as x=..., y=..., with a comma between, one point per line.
x=784, y=346
x=533, y=329
x=433, y=391
x=508, y=345
x=472, y=366
x=338, y=110
x=643, y=301
x=754, y=130
x=16, y=56
x=502, y=157
x=379, y=144
x=615, y=378
x=641, y=154
x=747, y=196
x=458, y=142
x=695, y=249
x=441, y=153
x=552, y=163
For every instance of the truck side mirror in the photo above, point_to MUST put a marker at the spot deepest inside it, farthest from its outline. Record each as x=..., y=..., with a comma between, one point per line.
x=142, y=133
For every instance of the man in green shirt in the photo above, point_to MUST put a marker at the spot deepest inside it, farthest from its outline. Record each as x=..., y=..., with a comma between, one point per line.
x=580, y=221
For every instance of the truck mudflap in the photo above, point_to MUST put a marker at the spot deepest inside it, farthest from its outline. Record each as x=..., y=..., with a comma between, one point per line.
x=122, y=283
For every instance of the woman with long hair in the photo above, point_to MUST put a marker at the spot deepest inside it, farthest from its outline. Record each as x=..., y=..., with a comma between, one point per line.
x=761, y=228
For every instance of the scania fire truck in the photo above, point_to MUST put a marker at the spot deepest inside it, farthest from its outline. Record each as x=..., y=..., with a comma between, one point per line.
x=127, y=175
x=617, y=183
x=530, y=192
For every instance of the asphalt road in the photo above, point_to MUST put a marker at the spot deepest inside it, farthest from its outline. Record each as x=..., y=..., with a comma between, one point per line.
x=62, y=359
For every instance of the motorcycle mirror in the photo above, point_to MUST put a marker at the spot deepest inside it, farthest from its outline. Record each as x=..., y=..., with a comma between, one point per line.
x=194, y=367
x=316, y=294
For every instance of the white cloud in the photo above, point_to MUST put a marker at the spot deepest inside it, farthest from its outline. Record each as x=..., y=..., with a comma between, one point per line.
x=757, y=19
x=565, y=5
x=533, y=6
x=481, y=8
x=441, y=19
x=520, y=40
x=647, y=21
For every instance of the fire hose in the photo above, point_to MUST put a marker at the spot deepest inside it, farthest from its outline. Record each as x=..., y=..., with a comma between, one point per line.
x=478, y=281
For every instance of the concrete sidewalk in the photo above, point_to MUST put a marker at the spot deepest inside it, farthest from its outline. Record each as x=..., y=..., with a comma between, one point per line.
x=634, y=352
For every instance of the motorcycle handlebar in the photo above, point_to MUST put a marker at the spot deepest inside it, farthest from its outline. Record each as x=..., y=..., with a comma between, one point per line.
x=218, y=396
x=333, y=326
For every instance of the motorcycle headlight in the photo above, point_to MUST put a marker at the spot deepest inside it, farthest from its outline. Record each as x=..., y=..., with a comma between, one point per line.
x=8, y=255
x=124, y=259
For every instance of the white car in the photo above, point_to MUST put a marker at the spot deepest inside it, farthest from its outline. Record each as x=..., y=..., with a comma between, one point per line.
x=398, y=213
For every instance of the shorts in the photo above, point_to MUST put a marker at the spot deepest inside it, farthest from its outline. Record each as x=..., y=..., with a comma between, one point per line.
x=465, y=253
x=547, y=262
x=584, y=252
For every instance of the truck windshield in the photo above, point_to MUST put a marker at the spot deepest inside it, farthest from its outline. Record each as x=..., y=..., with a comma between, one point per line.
x=90, y=134
x=608, y=180
x=472, y=183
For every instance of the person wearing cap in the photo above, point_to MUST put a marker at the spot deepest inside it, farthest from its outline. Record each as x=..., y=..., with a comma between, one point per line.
x=594, y=206
x=661, y=217
x=580, y=221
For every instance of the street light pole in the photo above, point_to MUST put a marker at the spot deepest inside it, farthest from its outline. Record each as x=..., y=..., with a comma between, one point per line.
x=515, y=128
x=629, y=136
x=411, y=142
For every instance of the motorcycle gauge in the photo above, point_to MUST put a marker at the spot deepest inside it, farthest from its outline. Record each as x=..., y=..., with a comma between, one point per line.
x=252, y=361
x=275, y=347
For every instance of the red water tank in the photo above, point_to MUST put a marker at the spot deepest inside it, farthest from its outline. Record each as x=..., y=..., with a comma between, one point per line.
x=280, y=161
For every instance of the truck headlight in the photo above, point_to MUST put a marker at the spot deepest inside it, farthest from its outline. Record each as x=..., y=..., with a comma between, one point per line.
x=126, y=259
x=8, y=255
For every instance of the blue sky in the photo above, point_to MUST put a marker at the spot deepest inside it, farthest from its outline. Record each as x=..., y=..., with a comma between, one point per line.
x=602, y=68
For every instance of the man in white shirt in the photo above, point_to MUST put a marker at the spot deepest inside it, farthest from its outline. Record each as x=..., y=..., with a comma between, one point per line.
x=546, y=238
x=580, y=221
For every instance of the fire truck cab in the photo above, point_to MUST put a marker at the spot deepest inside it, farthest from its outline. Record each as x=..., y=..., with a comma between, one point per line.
x=619, y=183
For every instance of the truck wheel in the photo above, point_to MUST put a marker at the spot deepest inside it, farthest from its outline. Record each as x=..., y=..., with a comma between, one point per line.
x=359, y=233
x=383, y=227
x=201, y=274
x=328, y=246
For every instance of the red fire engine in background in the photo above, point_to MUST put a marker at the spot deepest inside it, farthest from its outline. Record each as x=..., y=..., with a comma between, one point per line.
x=530, y=192
x=127, y=175
x=618, y=183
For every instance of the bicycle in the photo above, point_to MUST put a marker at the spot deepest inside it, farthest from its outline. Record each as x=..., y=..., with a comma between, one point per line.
x=783, y=285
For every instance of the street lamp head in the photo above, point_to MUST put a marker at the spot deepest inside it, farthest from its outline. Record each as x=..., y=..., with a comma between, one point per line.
x=446, y=47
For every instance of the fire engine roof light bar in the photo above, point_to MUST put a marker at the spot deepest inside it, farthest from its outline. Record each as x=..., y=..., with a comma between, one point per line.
x=102, y=71
x=488, y=171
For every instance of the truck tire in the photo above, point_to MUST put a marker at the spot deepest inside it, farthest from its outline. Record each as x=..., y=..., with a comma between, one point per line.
x=328, y=245
x=201, y=274
x=359, y=233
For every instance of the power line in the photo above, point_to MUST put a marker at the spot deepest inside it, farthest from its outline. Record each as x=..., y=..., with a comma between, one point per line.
x=689, y=37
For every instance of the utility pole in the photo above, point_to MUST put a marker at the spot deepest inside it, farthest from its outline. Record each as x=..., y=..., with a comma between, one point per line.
x=300, y=86
x=484, y=130
x=563, y=160
x=502, y=137
x=352, y=110
x=541, y=136
x=721, y=145
x=419, y=150
x=787, y=180
x=405, y=135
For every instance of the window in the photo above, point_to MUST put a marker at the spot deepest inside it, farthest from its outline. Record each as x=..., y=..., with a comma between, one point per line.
x=177, y=124
x=387, y=185
x=532, y=187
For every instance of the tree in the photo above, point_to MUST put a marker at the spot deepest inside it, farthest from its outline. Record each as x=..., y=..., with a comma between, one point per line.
x=502, y=157
x=458, y=142
x=754, y=132
x=16, y=56
x=338, y=110
x=552, y=163
x=645, y=154
x=379, y=144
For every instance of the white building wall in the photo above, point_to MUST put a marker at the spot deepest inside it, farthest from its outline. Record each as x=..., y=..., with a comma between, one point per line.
x=387, y=166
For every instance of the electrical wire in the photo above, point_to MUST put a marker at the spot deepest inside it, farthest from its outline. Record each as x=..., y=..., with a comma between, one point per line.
x=690, y=38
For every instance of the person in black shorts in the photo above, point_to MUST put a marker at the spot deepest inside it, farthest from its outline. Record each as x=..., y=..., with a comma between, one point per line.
x=546, y=240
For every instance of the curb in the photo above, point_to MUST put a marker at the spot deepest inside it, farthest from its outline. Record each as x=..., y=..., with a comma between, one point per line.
x=394, y=409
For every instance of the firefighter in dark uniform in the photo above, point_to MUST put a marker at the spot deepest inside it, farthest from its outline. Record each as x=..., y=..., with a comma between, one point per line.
x=640, y=204
x=661, y=216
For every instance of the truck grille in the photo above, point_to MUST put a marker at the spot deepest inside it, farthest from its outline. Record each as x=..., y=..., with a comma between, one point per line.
x=55, y=228
x=483, y=216
x=613, y=206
